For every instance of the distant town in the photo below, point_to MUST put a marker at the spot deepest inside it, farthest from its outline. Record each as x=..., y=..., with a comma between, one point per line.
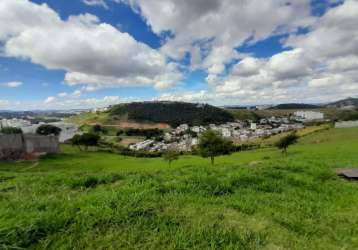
x=184, y=137
x=180, y=136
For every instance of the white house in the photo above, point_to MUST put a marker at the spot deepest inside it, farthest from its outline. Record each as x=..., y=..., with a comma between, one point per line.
x=182, y=128
x=309, y=115
x=226, y=132
x=253, y=126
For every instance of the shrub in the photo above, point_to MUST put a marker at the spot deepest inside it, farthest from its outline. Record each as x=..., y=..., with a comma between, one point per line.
x=97, y=129
x=147, y=133
x=48, y=129
x=120, y=132
x=86, y=140
x=246, y=147
x=11, y=130
x=122, y=150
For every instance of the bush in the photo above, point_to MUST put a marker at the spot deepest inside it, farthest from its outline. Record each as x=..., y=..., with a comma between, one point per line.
x=286, y=141
x=147, y=133
x=11, y=130
x=122, y=150
x=120, y=132
x=48, y=129
x=86, y=140
x=97, y=129
x=246, y=147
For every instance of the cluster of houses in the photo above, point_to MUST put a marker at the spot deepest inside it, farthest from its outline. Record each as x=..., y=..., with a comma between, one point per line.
x=185, y=137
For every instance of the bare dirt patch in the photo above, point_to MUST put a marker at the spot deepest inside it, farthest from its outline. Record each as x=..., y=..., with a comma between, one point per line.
x=127, y=124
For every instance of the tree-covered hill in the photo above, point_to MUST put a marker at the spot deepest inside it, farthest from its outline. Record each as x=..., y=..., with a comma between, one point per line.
x=344, y=103
x=172, y=113
x=296, y=106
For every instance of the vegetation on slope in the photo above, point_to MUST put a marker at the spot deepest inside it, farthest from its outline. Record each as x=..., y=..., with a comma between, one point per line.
x=172, y=113
x=249, y=200
x=244, y=114
x=296, y=106
x=333, y=114
x=343, y=103
x=90, y=118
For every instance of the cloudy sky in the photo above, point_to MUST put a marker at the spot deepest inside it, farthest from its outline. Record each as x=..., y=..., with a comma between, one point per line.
x=60, y=54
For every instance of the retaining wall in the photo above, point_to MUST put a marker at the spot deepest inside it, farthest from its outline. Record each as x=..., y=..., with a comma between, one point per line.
x=14, y=147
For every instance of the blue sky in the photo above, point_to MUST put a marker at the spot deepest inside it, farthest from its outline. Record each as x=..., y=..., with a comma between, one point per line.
x=88, y=53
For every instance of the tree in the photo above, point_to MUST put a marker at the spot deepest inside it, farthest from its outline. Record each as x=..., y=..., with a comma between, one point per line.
x=97, y=129
x=11, y=130
x=48, y=129
x=86, y=140
x=286, y=141
x=170, y=156
x=211, y=144
x=76, y=141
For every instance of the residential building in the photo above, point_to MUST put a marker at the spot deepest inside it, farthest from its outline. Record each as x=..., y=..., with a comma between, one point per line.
x=309, y=115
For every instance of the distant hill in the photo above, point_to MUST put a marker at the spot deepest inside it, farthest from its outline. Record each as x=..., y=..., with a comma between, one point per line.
x=349, y=102
x=296, y=106
x=172, y=113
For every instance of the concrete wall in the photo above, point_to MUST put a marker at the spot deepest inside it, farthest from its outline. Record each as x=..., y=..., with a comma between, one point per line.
x=11, y=142
x=41, y=144
x=13, y=147
x=346, y=124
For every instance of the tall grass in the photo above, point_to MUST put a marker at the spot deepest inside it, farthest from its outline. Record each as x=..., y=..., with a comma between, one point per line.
x=250, y=200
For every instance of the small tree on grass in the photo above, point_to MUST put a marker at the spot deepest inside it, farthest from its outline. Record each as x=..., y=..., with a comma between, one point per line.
x=48, y=129
x=170, y=156
x=11, y=130
x=86, y=140
x=211, y=144
x=286, y=141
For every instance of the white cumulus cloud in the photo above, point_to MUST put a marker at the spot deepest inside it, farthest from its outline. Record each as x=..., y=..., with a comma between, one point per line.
x=211, y=30
x=91, y=52
x=4, y=103
x=101, y=3
x=14, y=84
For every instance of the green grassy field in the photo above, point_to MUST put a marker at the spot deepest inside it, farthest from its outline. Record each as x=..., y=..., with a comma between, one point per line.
x=250, y=200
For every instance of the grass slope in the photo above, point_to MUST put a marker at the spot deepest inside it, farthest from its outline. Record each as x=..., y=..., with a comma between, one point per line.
x=89, y=118
x=249, y=200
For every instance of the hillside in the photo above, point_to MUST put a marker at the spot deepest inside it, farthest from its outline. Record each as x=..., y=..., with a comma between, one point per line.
x=295, y=106
x=249, y=200
x=172, y=113
x=349, y=102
